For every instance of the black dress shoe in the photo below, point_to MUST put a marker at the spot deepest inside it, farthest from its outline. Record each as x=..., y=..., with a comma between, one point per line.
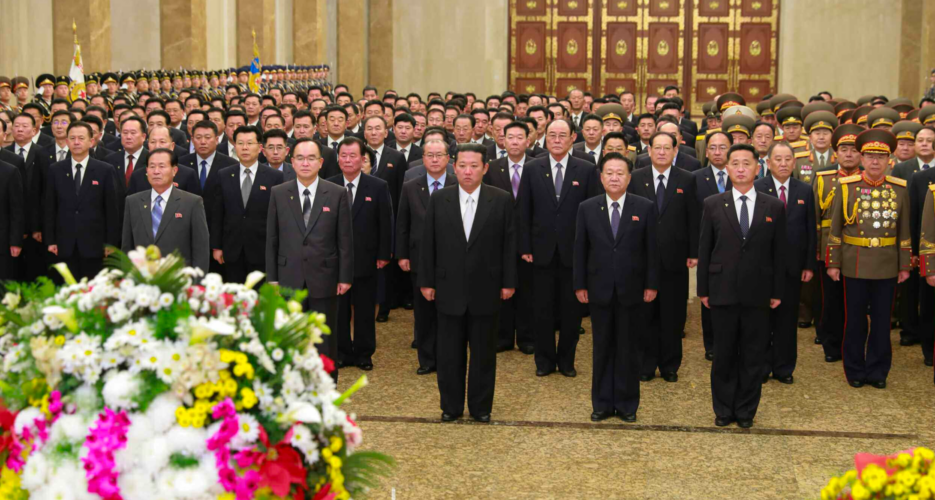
x=572, y=373
x=646, y=378
x=805, y=324
x=817, y=340
x=628, y=417
x=482, y=418
x=365, y=366
x=908, y=341
x=581, y=330
x=341, y=364
x=928, y=361
x=601, y=415
x=383, y=317
x=425, y=371
x=723, y=421
x=831, y=359
x=857, y=384
x=683, y=334
x=413, y=345
x=448, y=417
x=709, y=355
x=670, y=377
x=745, y=423
x=544, y=373
x=878, y=384
x=407, y=306
x=785, y=380
x=527, y=349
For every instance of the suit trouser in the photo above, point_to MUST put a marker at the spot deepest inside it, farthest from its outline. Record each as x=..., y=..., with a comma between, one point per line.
x=782, y=354
x=363, y=297
x=661, y=342
x=553, y=285
x=329, y=343
x=908, y=312
x=516, y=313
x=460, y=332
x=237, y=268
x=926, y=331
x=740, y=342
x=707, y=333
x=35, y=260
x=867, y=357
x=426, y=325
x=808, y=308
x=832, y=313
x=616, y=384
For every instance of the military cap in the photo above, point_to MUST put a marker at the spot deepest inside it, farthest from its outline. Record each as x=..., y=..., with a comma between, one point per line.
x=876, y=141
x=860, y=114
x=738, y=123
x=45, y=79
x=62, y=80
x=903, y=110
x=821, y=119
x=927, y=115
x=843, y=106
x=845, y=134
x=764, y=109
x=611, y=112
x=846, y=116
x=739, y=110
x=127, y=77
x=730, y=99
x=706, y=107
x=242, y=71
x=5, y=82
x=880, y=99
x=914, y=115
x=793, y=103
x=20, y=81
x=778, y=99
x=867, y=99
x=166, y=75
x=789, y=115
x=899, y=101
x=816, y=106
x=882, y=116
x=108, y=78
x=906, y=129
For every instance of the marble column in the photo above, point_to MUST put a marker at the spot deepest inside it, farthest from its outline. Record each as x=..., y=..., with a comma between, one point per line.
x=910, y=49
x=259, y=16
x=20, y=21
x=184, y=33
x=381, y=45
x=309, y=31
x=93, y=20
x=352, y=45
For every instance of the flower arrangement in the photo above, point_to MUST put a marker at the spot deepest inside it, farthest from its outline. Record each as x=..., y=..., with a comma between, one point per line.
x=908, y=475
x=141, y=384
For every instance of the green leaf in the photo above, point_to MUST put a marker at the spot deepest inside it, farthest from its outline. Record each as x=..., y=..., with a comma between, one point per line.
x=180, y=460
x=364, y=470
x=150, y=388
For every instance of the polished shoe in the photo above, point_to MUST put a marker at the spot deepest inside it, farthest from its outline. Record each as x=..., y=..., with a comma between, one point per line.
x=572, y=373
x=341, y=364
x=447, y=417
x=723, y=421
x=544, y=373
x=365, y=366
x=878, y=384
x=670, y=377
x=425, y=371
x=383, y=317
x=927, y=361
x=628, y=417
x=745, y=423
x=805, y=324
x=527, y=349
x=709, y=355
x=857, y=384
x=817, y=341
x=908, y=341
x=504, y=348
x=482, y=418
x=601, y=415
x=407, y=306
x=831, y=359
x=581, y=330
x=646, y=378
x=683, y=334
x=785, y=380
x=413, y=345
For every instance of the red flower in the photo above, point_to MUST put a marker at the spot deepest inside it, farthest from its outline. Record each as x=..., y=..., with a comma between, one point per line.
x=329, y=365
x=281, y=467
x=324, y=493
x=228, y=299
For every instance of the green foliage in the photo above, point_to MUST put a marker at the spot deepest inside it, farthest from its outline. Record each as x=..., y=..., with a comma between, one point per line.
x=180, y=460
x=168, y=276
x=168, y=319
x=17, y=389
x=31, y=294
x=150, y=388
x=292, y=335
x=363, y=470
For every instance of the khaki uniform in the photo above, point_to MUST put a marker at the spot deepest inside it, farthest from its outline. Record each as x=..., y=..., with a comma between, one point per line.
x=927, y=235
x=806, y=165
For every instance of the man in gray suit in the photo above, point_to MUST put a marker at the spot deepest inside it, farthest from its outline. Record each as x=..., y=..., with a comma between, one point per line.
x=309, y=239
x=165, y=216
x=416, y=169
x=276, y=150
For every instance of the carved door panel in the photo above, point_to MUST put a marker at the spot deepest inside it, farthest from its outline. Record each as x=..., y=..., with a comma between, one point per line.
x=530, y=24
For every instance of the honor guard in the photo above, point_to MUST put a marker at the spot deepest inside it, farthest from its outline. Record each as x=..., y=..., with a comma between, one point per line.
x=45, y=84
x=21, y=91
x=6, y=94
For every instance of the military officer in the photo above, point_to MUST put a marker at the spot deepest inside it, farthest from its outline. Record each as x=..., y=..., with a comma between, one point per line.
x=21, y=91
x=870, y=248
x=860, y=115
x=6, y=94
x=790, y=121
x=924, y=244
x=766, y=114
x=738, y=124
x=819, y=125
x=905, y=132
x=882, y=118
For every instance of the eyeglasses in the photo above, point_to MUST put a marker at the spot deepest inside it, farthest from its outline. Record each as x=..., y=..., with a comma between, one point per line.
x=720, y=148
x=275, y=149
x=438, y=156
x=249, y=144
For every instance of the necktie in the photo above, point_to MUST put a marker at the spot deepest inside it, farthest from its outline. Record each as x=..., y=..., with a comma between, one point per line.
x=307, y=209
x=22, y=153
x=204, y=173
x=821, y=161
x=435, y=186
x=762, y=167
x=246, y=187
x=350, y=193
x=61, y=155
x=515, y=180
x=744, y=217
x=334, y=146
x=129, y=166
x=721, y=185
x=660, y=192
x=782, y=196
x=157, y=214
x=591, y=153
x=925, y=167
x=502, y=153
x=405, y=154
x=77, y=178
x=376, y=163
x=468, y=218
x=615, y=218
x=558, y=180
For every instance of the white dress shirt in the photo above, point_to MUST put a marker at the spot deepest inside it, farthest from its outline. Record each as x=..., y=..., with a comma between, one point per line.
x=779, y=185
x=931, y=163
x=253, y=169
x=751, y=201
x=356, y=182
x=564, y=162
x=497, y=151
x=407, y=148
x=610, y=208
x=312, y=189
x=463, y=197
x=25, y=148
x=597, y=151
x=165, y=198
x=210, y=160
x=332, y=141
x=84, y=167
x=665, y=177
x=232, y=150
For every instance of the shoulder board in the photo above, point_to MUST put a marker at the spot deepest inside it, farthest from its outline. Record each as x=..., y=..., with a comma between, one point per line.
x=853, y=178
x=631, y=148
x=701, y=137
x=932, y=188
x=896, y=180
x=777, y=137
x=798, y=144
x=802, y=154
x=829, y=172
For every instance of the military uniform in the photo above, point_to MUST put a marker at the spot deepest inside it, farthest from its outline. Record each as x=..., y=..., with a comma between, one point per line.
x=870, y=243
x=924, y=247
x=44, y=79
x=6, y=83
x=791, y=114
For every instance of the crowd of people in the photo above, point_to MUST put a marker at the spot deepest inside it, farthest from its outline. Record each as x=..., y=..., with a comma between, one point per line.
x=500, y=221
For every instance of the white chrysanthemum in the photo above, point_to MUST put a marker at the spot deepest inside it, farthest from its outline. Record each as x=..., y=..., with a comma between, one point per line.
x=120, y=389
x=303, y=440
x=27, y=418
x=37, y=327
x=191, y=483
x=111, y=359
x=135, y=484
x=161, y=413
x=278, y=354
x=70, y=428
x=166, y=300
x=188, y=440
x=332, y=416
x=118, y=312
x=52, y=322
x=263, y=392
x=171, y=362
x=35, y=472
x=136, y=334
x=248, y=430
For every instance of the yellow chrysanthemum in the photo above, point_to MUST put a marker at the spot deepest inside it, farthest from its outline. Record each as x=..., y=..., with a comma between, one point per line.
x=859, y=492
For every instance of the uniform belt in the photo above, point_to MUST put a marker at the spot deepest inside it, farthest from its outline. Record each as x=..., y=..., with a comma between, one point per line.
x=826, y=223
x=870, y=242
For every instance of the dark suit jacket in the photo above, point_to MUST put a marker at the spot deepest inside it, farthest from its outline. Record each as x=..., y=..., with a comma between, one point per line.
x=706, y=184
x=468, y=273
x=236, y=228
x=418, y=170
x=415, y=152
x=45, y=140
x=372, y=217
x=500, y=175
x=219, y=163
x=688, y=127
x=677, y=222
x=538, y=151
x=118, y=161
x=547, y=223
x=918, y=189
x=627, y=263
x=329, y=160
x=319, y=256
x=101, y=153
x=392, y=169
x=288, y=173
x=112, y=143
x=683, y=161
x=801, y=236
x=579, y=153
x=12, y=215
x=410, y=223
x=183, y=226
x=737, y=271
x=82, y=222
x=905, y=169
x=186, y=179
x=34, y=171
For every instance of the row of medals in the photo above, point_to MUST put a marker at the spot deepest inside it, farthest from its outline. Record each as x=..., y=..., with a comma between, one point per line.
x=871, y=199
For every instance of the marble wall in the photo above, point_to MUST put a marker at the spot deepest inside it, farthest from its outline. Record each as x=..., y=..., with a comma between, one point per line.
x=221, y=32
x=22, y=53
x=135, y=40
x=184, y=43
x=352, y=42
x=92, y=18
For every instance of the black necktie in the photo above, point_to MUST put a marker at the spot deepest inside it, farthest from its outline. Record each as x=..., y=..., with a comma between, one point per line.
x=660, y=192
x=350, y=193
x=77, y=178
x=22, y=153
x=307, y=209
x=744, y=217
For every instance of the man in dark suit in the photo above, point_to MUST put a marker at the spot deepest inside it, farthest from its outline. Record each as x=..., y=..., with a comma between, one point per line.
x=682, y=160
x=468, y=267
x=172, y=219
x=591, y=129
x=27, y=157
x=12, y=221
x=709, y=181
x=550, y=191
x=276, y=150
x=302, y=127
x=918, y=191
x=185, y=178
x=404, y=127
x=310, y=239
x=372, y=217
x=232, y=121
x=740, y=256
x=132, y=138
x=799, y=201
x=672, y=191
x=80, y=207
x=616, y=271
x=241, y=201
x=98, y=150
x=415, y=168
x=410, y=224
x=516, y=314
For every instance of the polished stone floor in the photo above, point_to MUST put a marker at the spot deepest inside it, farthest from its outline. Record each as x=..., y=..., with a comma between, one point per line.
x=542, y=444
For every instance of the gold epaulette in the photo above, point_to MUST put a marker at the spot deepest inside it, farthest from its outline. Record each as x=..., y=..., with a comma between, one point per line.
x=826, y=172
x=777, y=137
x=802, y=154
x=896, y=180
x=701, y=137
x=853, y=178
x=631, y=148
x=932, y=188
x=798, y=144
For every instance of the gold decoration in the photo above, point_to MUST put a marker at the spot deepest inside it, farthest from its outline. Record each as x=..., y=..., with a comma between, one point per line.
x=663, y=47
x=531, y=46
x=755, y=48
x=754, y=91
x=664, y=5
x=620, y=89
x=713, y=48
x=711, y=90
x=714, y=5
x=572, y=4
x=660, y=90
x=571, y=47
x=621, y=47
x=622, y=4
x=531, y=4
x=756, y=5
x=530, y=88
x=569, y=88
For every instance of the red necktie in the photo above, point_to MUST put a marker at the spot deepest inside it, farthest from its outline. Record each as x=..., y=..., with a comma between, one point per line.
x=129, y=167
x=782, y=195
